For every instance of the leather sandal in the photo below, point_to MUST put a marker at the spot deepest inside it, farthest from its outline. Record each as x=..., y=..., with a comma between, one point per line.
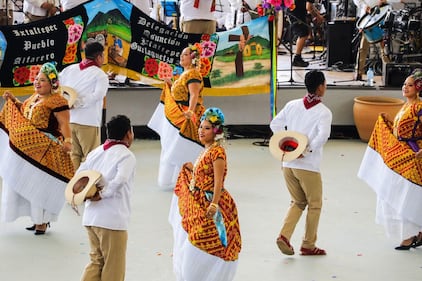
x=407, y=247
x=284, y=245
x=312, y=252
x=418, y=241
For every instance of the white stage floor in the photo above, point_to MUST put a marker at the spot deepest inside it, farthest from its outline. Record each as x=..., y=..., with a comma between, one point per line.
x=357, y=248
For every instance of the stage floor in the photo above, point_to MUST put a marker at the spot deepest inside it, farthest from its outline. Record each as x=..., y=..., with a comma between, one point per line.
x=336, y=76
x=357, y=248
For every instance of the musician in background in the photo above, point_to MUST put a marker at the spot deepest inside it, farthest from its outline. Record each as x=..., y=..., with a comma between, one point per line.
x=301, y=28
x=197, y=16
x=362, y=8
x=6, y=12
x=238, y=15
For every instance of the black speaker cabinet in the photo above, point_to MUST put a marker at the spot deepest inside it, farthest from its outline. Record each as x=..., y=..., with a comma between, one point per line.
x=339, y=37
x=394, y=74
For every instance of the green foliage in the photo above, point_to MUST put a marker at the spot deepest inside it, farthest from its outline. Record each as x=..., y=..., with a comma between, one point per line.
x=216, y=74
x=258, y=66
x=266, y=54
x=231, y=78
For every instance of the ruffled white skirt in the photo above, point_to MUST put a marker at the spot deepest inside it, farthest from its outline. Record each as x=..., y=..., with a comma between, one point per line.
x=399, y=201
x=191, y=263
x=175, y=149
x=27, y=190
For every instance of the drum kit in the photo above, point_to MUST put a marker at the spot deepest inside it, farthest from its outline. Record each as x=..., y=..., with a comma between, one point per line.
x=400, y=30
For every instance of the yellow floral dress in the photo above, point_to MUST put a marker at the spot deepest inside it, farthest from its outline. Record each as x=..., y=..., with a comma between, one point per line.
x=176, y=101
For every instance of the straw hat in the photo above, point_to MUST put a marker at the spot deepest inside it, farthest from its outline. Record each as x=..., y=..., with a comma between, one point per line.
x=70, y=94
x=287, y=145
x=82, y=186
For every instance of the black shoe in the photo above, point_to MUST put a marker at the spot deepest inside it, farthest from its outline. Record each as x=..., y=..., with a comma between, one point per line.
x=298, y=61
x=42, y=232
x=30, y=228
x=407, y=247
x=39, y=232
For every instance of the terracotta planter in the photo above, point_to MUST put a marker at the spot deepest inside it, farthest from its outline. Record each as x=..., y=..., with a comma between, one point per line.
x=366, y=110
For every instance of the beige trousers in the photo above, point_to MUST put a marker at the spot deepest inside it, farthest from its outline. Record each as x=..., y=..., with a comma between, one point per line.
x=108, y=255
x=199, y=26
x=85, y=139
x=305, y=188
x=362, y=54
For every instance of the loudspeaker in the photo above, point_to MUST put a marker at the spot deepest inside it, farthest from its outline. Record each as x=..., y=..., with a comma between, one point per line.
x=339, y=36
x=394, y=74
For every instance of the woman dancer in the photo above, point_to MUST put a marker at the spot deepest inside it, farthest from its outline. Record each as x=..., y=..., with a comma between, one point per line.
x=35, y=142
x=203, y=214
x=392, y=166
x=176, y=118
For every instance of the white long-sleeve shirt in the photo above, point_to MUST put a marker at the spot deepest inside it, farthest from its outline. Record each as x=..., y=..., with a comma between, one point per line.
x=34, y=7
x=91, y=84
x=315, y=123
x=203, y=12
x=69, y=4
x=117, y=166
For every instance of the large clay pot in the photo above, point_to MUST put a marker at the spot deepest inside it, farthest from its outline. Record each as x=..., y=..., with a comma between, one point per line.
x=366, y=110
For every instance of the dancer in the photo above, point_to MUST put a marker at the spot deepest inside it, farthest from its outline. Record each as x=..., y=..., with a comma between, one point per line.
x=106, y=214
x=309, y=117
x=392, y=167
x=203, y=214
x=176, y=118
x=35, y=142
x=91, y=83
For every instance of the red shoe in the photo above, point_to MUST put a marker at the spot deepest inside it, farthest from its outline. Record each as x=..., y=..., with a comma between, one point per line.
x=284, y=245
x=312, y=252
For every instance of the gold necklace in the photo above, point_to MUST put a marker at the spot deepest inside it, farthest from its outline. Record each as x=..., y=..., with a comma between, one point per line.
x=196, y=164
x=28, y=111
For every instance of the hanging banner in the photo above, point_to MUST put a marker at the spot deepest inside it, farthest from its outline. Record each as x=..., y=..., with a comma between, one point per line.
x=136, y=46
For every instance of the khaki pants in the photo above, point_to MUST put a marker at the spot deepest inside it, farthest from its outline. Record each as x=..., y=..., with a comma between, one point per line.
x=362, y=54
x=108, y=255
x=85, y=139
x=305, y=188
x=199, y=26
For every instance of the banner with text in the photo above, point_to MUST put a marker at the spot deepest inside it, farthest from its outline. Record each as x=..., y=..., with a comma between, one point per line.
x=136, y=46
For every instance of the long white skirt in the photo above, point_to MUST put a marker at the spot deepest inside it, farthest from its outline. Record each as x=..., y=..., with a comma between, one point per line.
x=399, y=201
x=175, y=149
x=26, y=189
x=191, y=263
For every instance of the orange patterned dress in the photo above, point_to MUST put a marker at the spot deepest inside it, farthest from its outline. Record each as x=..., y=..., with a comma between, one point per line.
x=33, y=165
x=398, y=142
x=34, y=134
x=202, y=231
x=391, y=169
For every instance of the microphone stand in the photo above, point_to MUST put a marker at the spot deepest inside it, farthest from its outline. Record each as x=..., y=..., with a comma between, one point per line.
x=291, y=80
